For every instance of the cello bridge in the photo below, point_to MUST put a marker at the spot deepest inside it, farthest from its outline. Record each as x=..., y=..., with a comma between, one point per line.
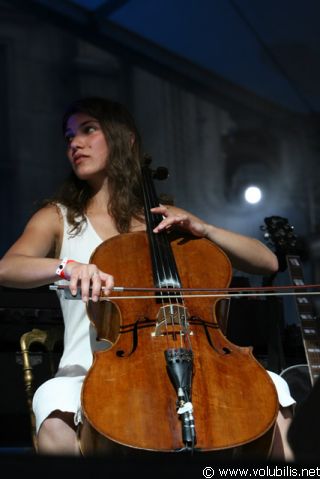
x=172, y=316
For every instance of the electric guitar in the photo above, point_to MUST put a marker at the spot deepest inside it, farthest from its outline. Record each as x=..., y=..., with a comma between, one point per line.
x=300, y=377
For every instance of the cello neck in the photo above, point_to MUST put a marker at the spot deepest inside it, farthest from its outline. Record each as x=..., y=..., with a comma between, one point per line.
x=165, y=273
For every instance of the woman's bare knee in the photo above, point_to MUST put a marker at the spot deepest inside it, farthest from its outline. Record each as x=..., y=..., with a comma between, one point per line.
x=281, y=449
x=57, y=435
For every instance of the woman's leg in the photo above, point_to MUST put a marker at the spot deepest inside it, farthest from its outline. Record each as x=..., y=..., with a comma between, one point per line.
x=281, y=450
x=58, y=435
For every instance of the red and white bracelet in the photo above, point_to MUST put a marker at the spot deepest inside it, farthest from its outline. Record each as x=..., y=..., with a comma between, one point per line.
x=61, y=267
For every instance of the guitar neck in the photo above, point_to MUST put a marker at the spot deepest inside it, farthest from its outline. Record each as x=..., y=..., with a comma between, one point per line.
x=307, y=317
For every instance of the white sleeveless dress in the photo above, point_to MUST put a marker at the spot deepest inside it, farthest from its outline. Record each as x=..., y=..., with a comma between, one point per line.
x=63, y=392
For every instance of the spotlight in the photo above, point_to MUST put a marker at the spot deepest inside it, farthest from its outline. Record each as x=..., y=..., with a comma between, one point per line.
x=252, y=194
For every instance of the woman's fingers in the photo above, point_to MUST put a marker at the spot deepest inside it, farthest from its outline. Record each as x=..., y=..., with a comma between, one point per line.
x=90, y=280
x=178, y=218
x=171, y=217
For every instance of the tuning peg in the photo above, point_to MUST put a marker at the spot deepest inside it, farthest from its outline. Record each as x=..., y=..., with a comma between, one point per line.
x=161, y=173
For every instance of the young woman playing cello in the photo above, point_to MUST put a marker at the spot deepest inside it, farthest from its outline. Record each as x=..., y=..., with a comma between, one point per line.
x=102, y=198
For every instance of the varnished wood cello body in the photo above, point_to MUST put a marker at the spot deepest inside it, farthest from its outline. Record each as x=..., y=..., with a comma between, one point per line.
x=171, y=380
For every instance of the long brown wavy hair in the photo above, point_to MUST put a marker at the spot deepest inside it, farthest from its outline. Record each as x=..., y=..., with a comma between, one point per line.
x=123, y=168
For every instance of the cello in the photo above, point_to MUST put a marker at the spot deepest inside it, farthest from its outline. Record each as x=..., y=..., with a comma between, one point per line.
x=170, y=380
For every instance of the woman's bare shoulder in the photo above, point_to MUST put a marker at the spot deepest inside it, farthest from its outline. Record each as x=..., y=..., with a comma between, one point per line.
x=49, y=216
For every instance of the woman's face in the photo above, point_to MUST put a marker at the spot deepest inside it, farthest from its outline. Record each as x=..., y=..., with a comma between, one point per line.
x=87, y=149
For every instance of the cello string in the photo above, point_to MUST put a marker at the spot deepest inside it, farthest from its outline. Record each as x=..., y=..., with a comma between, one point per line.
x=165, y=261
x=154, y=250
x=175, y=293
x=160, y=268
x=158, y=259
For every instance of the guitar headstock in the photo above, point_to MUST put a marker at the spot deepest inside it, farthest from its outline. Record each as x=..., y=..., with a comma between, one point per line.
x=279, y=234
